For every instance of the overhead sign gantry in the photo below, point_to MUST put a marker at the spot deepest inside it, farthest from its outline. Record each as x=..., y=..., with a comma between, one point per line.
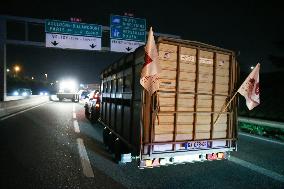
x=73, y=35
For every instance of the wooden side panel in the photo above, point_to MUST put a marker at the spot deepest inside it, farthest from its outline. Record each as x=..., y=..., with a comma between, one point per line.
x=167, y=101
x=222, y=74
x=204, y=103
x=185, y=102
x=205, y=76
x=187, y=69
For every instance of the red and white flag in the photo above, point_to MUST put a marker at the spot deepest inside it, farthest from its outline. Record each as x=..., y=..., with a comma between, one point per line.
x=250, y=88
x=150, y=71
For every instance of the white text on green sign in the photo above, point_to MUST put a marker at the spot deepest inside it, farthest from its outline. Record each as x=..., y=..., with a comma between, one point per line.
x=73, y=28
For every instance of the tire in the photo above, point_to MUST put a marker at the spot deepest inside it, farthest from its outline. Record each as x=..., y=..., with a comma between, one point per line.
x=94, y=115
x=87, y=113
x=117, y=150
x=60, y=99
x=110, y=140
x=105, y=133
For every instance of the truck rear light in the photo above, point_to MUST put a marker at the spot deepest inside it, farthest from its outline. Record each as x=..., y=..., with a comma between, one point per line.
x=156, y=162
x=97, y=105
x=212, y=156
x=220, y=155
x=148, y=163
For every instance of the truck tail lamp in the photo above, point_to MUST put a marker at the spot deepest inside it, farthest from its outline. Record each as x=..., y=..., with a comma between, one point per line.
x=212, y=156
x=97, y=105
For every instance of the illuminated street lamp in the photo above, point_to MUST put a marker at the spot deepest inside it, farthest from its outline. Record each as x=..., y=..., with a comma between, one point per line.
x=33, y=78
x=45, y=76
x=252, y=67
x=17, y=69
x=8, y=70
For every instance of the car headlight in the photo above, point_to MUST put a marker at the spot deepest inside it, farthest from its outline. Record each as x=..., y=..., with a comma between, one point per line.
x=16, y=93
x=45, y=93
x=24, y=94
x=41, y=93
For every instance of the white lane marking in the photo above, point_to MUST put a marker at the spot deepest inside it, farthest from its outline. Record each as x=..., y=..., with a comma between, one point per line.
x=74, y=115
x=22, y=111
x=261, y=138
x=258, y=169
x=73, y=107
x=87, y=168
x=76, y=126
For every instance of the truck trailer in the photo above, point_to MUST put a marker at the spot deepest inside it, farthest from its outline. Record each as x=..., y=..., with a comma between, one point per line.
x=176, y=124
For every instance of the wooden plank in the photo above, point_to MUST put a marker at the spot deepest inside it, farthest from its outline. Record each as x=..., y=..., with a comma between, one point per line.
x=185, y=118
x=202, y=135
x=196, y=89
x=163, y=137
x=185, y=102
x=167, y=74
x=168, y=55
x=168, y=65
x=182, y=137
x=188, y=77
x=177, y=94
x=188, y=67
x=187, y=86
x=212, y=97
x=167, y=84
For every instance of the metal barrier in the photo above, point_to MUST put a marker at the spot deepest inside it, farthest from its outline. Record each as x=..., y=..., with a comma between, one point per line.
x=273, y=124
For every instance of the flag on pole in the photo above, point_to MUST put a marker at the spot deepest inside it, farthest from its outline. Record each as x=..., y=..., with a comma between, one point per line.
x=150, y=71
x=250, y=88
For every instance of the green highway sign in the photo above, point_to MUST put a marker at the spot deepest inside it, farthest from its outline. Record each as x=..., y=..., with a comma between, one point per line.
x=127, y=28
x=73, y=28
x=127, y=34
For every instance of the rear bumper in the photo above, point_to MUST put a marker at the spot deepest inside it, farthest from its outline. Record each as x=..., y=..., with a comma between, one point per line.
x=67, y=95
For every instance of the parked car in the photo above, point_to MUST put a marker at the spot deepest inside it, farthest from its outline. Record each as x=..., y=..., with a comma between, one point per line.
x=92, y=106
x=22, y=92
x=83, y=94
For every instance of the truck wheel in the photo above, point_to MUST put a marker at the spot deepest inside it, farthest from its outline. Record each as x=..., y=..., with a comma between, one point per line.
x=110, y=140
x=87, y=113
x=105, y=133
x=93, y=116
x=117, y=150
x=73, y=100
x=60, y=99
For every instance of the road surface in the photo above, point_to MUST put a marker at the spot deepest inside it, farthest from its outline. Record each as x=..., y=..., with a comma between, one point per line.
x=55, y=146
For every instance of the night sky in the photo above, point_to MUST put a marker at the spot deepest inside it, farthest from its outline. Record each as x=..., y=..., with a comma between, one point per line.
x=249, y=27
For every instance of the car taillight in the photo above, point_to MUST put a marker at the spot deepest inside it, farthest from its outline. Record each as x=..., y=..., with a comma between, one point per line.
x=97, y=105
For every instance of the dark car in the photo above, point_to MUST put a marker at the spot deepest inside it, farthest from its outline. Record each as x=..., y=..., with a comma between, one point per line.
x=22, y=92
x=92, y=106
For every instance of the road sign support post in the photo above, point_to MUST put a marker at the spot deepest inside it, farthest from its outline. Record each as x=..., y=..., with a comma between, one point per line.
x=2, y=59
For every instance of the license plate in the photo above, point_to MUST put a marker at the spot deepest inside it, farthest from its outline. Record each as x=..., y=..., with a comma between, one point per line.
x=197, y=144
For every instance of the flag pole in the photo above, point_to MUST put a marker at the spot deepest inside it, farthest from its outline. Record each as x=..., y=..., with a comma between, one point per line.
x=224, y=107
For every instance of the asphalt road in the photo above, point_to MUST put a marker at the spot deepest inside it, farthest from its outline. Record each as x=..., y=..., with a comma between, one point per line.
x=55, y=146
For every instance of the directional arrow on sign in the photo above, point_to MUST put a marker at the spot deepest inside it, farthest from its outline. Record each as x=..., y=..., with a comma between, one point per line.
x=93, y=46
x=54, y=43
x=128, y=48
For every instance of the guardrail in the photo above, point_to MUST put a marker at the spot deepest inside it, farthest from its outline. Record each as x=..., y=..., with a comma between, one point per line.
x=15, y=104
x=273, y=124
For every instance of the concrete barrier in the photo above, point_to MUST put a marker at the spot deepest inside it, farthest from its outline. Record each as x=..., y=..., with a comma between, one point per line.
x=13, y=106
